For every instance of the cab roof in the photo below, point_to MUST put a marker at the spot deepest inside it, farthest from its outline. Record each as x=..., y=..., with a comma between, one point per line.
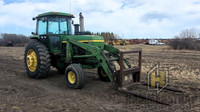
x=55, y=14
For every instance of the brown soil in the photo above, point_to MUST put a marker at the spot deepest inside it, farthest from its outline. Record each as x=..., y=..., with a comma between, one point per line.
x=18, y=92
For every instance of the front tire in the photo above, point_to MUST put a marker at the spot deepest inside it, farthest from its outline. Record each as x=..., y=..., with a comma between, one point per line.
x=37, y=60
x=75, y=76
x=102, y=75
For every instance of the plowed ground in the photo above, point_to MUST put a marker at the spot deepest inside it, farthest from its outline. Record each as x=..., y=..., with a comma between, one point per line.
x=18, y=92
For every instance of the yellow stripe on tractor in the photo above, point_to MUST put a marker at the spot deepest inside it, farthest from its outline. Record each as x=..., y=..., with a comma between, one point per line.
x=86, y=41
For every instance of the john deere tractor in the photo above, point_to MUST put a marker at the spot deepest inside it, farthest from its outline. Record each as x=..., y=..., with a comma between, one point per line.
x=54, y=44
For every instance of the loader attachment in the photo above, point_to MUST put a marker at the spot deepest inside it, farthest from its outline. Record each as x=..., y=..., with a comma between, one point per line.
x=135, y=72
x=125, y=67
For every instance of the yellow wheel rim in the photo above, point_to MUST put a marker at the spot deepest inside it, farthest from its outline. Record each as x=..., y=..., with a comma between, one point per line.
x=103, y=73
x=71, y=77
x=31, y=60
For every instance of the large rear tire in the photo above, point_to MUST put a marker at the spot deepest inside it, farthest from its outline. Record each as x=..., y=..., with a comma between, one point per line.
x=37, y=59
x=75, y=76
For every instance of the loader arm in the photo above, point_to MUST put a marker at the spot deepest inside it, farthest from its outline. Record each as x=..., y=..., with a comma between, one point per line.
x=95, y=52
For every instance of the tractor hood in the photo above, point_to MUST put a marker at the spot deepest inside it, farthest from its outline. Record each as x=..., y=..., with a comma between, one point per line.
x=93, y=40
x=84, y=38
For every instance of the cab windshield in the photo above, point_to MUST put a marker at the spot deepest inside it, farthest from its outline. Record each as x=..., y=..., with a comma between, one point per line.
x=59, y=25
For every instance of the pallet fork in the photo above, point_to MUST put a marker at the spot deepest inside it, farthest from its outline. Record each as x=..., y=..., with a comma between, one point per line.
x=136, y=72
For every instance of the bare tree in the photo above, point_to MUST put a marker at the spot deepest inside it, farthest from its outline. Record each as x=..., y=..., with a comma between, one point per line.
x=187, y=39
x=189, y=33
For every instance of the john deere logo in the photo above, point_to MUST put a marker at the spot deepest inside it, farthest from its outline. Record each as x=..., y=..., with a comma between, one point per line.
x=158, y=78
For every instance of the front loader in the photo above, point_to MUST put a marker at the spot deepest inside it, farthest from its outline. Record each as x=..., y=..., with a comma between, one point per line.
x=54, y=44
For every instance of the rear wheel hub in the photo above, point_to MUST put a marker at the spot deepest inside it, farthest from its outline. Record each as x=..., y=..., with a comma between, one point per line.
x=31, y=60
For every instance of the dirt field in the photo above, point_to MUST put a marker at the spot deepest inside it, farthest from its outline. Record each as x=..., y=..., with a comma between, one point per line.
x=18, y=92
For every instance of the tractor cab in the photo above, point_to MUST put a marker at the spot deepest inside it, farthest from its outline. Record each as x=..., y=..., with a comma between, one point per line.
x=54, y=23
x=51, y=27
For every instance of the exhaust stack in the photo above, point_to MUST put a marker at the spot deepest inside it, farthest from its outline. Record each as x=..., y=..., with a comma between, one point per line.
x=81, y=20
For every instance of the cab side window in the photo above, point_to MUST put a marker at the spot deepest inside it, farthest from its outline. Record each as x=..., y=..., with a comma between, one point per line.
x=42, y=27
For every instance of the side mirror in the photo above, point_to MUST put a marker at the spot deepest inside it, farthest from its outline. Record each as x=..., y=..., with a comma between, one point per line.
x=72, y=21
x=33, y=18
x=43, y=19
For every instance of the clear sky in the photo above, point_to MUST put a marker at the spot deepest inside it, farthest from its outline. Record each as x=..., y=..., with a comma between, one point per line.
x=127, y=18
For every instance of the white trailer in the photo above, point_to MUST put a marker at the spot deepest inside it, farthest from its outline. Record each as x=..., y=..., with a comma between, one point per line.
x=155, y=42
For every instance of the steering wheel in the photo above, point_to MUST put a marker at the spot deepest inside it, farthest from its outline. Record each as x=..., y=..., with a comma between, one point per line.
x=58, y=31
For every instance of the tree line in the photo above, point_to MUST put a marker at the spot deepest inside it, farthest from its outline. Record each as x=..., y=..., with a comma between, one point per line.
x=106, y=35
x=7, y=39
x=13, y=39
x=188, y=39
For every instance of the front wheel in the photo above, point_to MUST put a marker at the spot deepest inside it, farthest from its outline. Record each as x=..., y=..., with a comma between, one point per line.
x=75, y=76
x=102, y=75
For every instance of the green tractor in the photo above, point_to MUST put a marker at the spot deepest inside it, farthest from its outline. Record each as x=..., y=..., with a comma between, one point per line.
x=54, y=44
